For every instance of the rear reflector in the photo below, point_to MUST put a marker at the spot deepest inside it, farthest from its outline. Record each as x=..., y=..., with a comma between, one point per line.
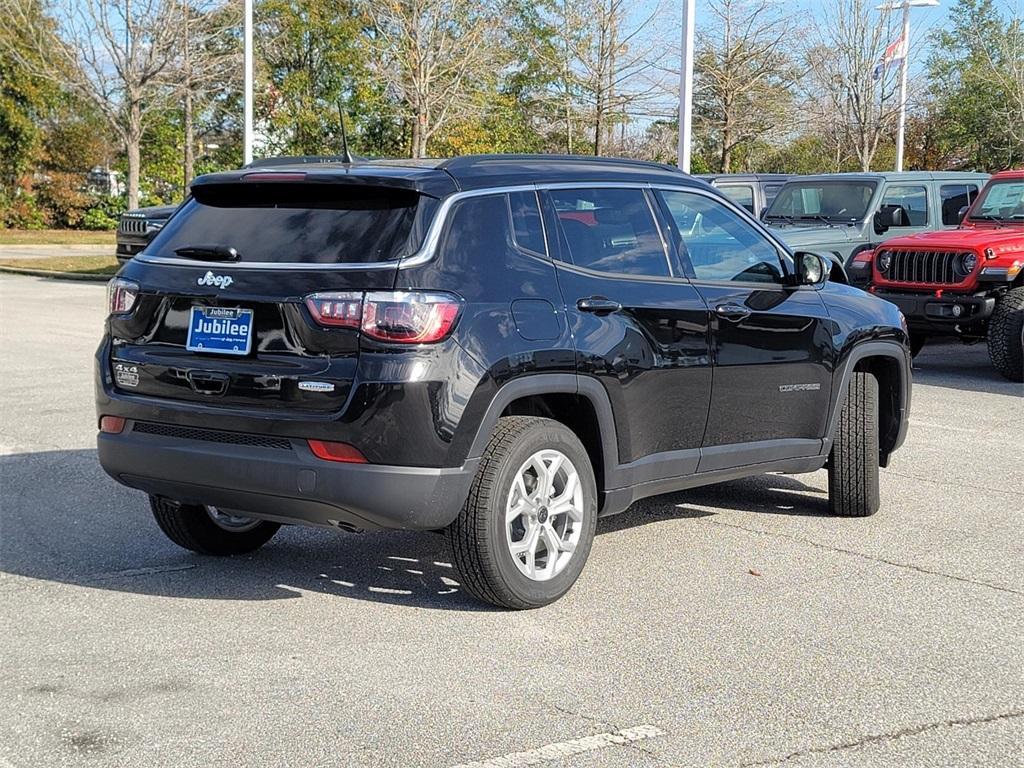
x=330, y=451
x=112, y=425
x=864, y=256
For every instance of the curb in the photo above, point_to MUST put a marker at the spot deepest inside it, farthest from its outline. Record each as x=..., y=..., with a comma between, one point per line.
x=54, y=275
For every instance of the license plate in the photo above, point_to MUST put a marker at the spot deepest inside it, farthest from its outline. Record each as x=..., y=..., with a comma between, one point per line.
x=220, y=329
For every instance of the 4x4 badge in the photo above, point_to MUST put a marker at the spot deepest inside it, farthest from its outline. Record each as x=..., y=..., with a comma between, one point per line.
x=221, y=281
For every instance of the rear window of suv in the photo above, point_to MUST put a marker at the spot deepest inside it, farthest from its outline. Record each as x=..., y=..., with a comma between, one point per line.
x=298, y=223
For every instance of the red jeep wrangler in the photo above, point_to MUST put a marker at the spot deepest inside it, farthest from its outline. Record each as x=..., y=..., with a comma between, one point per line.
x=966, y=282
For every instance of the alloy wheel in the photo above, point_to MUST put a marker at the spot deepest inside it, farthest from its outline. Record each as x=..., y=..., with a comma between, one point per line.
x=544, y=515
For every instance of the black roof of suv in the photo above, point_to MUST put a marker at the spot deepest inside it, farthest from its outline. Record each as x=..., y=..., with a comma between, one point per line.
x=502, y=348
x=440, y=176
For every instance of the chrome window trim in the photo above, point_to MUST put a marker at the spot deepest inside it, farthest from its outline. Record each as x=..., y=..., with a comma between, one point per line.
x=428, y=249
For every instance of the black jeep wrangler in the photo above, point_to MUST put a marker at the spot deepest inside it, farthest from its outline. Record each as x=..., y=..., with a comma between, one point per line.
x=502, y=348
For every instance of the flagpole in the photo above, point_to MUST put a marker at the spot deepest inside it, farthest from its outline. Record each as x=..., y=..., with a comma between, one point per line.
x=686, y=88
x=904, y=66
x=247, y=84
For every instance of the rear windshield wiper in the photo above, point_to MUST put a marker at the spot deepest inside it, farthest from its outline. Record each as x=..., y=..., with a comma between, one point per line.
x=208, y=252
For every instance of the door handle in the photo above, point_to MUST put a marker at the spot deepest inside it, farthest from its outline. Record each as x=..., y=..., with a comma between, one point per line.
x=599, y=305
x=735, y=312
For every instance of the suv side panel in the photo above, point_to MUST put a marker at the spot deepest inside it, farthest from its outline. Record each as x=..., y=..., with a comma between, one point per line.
x=513, y=320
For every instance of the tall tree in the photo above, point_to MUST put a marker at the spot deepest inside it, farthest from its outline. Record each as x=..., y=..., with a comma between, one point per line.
x=976, y=75
x=430, y=53
x=210, y=66
x=847, y=44
x=744, y=73
x=314, y=55
x=611, y=65
x=25, y=96
x=120, y=56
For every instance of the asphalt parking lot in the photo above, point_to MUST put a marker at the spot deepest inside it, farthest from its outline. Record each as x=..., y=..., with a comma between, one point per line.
x=739, y=623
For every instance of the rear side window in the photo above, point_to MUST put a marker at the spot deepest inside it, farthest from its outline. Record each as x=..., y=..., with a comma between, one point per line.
x=741, y=195
x=529, y=233
x=912, y=199
x=611, y=230
x=954, y=197
x=477, y=230
x=296, y=223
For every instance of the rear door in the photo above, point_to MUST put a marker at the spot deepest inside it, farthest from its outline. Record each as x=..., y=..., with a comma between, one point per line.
x=221, y=317
x=638, y=326
x=771, y=344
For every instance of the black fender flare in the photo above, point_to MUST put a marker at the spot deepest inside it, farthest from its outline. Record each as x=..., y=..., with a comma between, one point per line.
x=550, y=384
x=841, y=384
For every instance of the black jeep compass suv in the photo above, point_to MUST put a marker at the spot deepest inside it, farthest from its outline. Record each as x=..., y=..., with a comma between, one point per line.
x=503, y=348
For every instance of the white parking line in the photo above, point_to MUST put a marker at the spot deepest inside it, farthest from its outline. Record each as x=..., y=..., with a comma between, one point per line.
x=563, y=749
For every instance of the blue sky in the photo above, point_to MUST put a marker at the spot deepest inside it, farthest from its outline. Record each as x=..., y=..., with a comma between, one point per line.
x=923, y=20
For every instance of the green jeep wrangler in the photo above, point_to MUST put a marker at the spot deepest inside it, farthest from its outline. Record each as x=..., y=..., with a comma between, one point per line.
x=847, y=214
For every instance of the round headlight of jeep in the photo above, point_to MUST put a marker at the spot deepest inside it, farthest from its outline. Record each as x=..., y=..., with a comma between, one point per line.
x=884, y=261
x=968, y=262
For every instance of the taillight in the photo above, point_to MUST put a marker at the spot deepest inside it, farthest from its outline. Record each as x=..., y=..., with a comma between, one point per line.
x=409, y=318
x=413, y=317
x=338, y=310
x=274, y=176
x=121, y=296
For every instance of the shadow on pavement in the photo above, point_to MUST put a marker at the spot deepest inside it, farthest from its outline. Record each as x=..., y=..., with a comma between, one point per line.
x=964, y=367
x=62, y=519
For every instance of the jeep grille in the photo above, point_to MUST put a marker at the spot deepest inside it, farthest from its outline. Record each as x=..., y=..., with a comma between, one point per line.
x=932, y=267
x=132, y=226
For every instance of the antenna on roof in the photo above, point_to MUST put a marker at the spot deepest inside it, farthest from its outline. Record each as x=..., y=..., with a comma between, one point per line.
x=346, y=156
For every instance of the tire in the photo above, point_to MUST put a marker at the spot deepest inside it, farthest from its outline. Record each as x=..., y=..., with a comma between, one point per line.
x=193, y=527
x=482, y=539
x=853, y=465
x=1006, y=335
x=917, y=342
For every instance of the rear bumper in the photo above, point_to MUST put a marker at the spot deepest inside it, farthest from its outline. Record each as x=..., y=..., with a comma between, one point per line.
x=288, y=485
x=946, y=315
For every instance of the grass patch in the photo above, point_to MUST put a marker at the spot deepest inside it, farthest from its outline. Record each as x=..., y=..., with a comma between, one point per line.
x=55, y=237
x=78, y=265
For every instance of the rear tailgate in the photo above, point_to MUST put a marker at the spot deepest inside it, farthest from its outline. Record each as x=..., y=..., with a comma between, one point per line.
x=230, y=330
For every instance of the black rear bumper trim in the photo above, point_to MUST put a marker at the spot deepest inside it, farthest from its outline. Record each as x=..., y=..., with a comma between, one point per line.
x=287, y=486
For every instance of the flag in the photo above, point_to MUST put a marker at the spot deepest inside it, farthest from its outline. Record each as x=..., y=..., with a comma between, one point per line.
x=895, y=53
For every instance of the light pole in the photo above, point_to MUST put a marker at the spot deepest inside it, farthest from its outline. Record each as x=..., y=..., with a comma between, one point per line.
x=686, y=88
x=247, y=86
x=905, y=6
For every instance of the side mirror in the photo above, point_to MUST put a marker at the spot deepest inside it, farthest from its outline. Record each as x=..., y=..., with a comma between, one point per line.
x=888, y=216
x=811, y=269
x=962, y=213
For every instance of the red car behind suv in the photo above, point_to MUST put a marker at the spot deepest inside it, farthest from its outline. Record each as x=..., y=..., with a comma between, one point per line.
x=966, y=282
